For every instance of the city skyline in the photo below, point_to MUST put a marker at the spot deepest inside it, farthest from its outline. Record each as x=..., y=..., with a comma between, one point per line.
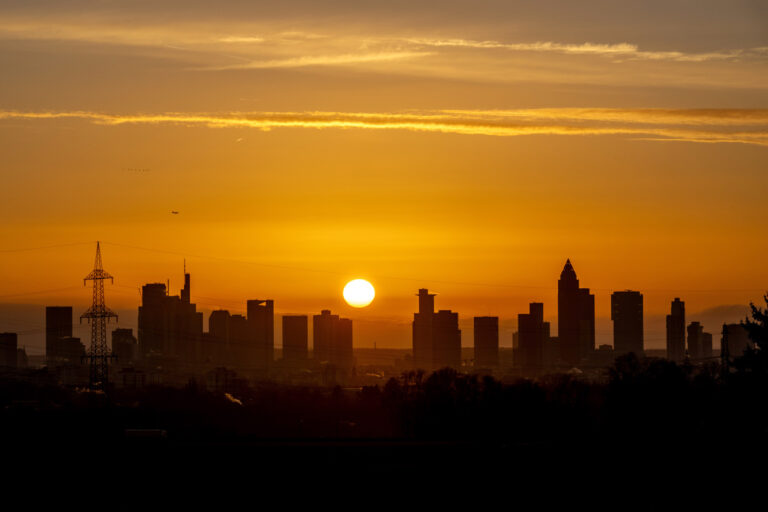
x=400, y=337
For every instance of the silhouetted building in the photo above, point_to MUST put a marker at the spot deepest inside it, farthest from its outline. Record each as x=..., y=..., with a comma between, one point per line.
x=261, y=321
x=332, y=339
x=216, y=348
x=70, y=351
x=735, y=340
x=169, y=326
x=22, y=360
x=676, y=331
x=240, y=343
x=436, y=336
x=422, y=330
x=342, y=355
x=486, y=341
x=532, y=338
x=695, y=340
x=8, y=349
x=446, y=339
x=295, y=338
x=706, y=345
x=58, y=325
x=124, y=346
x=575, y=317
x=627, y=316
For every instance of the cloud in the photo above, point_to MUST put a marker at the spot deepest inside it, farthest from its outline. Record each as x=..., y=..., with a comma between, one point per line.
x=742, y=126
x=323, y=60
x=619, y=51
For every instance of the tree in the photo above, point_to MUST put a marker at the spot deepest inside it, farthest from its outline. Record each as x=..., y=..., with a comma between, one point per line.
x=758, y=326
x=755, y=360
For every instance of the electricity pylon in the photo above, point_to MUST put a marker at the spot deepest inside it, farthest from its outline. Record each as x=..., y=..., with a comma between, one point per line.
x=98, y=315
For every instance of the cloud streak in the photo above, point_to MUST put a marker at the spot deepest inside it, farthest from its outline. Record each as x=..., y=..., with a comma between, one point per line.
x=323, y=60
x=735, y=126
x=619, y=51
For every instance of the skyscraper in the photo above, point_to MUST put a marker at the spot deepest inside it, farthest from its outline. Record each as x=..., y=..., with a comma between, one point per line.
x=706, y=345
x=58, y=324
x=486, y=341
x=261, y=322
x=124, y=346
x=295, y=338
x=446, y=340
x=695, y=340
x=332, y=339
x=436, y=336
x=575, y=317
x=8, y=349
x=422, y=330
x=627, y=316
x=240, y=343
x=533, y=336
x=676, y=331
x=217, y=348
x=169, y=326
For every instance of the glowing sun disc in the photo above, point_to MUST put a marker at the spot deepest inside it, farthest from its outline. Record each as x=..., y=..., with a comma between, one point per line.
x=359, y=293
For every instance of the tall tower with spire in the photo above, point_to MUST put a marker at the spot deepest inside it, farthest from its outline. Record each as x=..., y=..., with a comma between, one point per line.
x=98, y=315
x=575, y=317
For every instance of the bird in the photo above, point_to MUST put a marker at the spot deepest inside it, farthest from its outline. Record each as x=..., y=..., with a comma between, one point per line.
x=174, y=212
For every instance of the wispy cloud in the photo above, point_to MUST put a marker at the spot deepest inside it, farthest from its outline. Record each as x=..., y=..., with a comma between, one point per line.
x=702, y=126
x=323, y=60
x=619, y=51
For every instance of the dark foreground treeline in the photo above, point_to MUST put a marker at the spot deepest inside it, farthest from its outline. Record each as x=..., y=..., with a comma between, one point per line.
x=642, y=400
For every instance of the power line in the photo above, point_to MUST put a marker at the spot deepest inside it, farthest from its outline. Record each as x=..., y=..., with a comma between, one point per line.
x=38, y=248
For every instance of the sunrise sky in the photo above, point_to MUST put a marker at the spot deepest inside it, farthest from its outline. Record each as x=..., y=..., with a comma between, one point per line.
x=466, y=147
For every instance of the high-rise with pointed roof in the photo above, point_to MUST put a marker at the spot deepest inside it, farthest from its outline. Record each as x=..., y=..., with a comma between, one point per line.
x=575, y=317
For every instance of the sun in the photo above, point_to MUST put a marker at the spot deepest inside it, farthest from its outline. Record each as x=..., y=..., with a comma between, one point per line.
x=359, y=293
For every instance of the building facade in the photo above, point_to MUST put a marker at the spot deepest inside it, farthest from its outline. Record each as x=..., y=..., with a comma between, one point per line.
x=627, y=316
x=575, y=318
x=676, y=331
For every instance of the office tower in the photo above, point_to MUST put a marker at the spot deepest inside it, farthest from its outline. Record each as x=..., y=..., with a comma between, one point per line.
x=241, y=353
x=627, y=316
x=735, y=340
x=58, y=324
x=676, y=331
x=532, y=338
x=295, y=338
x=217, y=349
x=8, y=349
x=70, y=351
x=261, y=321
x=169, y=326
x=486, y=341
x=152, y=321
x=332, y=339
x=446, y=340
x=422, y=330
x=323, y=332
x=342, y=355
x=706, y=345
x=695, y=340
x=575, y=317
x=436, y=336
x=124, y=346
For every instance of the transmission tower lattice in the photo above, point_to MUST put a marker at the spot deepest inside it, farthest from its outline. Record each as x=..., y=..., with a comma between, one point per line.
x=98, y=315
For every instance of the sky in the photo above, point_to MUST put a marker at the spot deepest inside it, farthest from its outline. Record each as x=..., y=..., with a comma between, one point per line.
x=465, y=147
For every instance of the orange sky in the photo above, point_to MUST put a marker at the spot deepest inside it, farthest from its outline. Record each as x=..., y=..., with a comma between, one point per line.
x=467, y=152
